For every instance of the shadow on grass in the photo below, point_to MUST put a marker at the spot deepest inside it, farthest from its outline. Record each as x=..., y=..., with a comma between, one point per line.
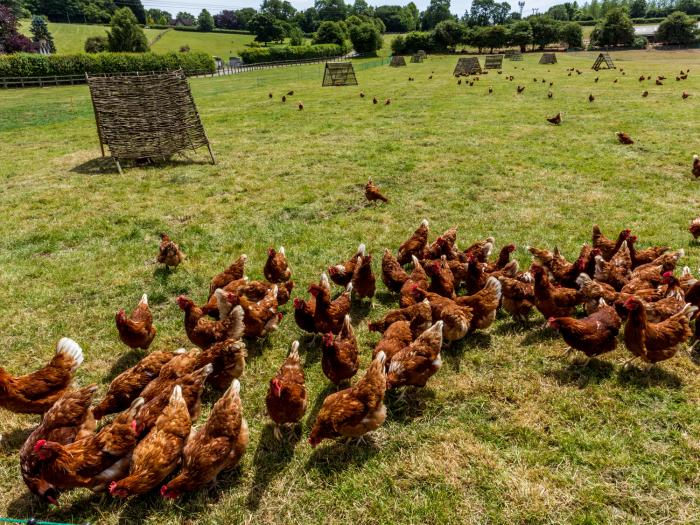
x=318, y=403
x=107, y=165
x=455, y=352
x=512, y=327
x=359, y=310
x=311, y=346
x=162, y=275
x=575, y=373
x=646, y=377
x=331, y=458
x=408, y=403
x=543, y=335
x=271, y=457
x=13, y=440
x=126, y=360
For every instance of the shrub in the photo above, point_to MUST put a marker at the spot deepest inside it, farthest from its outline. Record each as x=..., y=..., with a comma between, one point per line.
x=205, y=22
x=34, y=65
x=640, y=42
x=413, y=42
x=284, y=53
x=571, y=33
x=366, y=38
x=41, y=34
x=11, y=41
x=448, y=34
x=677, y=28
x=296, y=37
x=96, y=44
x=615, y=29
x=330, y=33
x=185, y=48
x=126, y=35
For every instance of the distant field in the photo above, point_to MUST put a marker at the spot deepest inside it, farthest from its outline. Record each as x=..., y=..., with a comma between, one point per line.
x=70, y=38
x=218, y=44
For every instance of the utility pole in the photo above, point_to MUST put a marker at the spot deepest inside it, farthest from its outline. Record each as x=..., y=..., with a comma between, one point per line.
x=521, y=5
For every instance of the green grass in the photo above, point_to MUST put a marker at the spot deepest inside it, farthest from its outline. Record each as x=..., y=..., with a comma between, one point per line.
x=504, y=433
x=70, y=38
x=218, y=44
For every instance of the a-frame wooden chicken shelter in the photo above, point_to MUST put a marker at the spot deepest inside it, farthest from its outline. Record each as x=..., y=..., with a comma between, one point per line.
x=467, y=66
x=493, y=62
x=339, y=74
x=548, y=58
x=397, y=61
x=603, y=58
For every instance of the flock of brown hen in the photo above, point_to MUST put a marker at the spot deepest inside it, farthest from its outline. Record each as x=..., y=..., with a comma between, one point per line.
x=149, y=442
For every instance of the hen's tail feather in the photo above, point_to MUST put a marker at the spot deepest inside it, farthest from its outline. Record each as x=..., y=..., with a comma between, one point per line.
x=294, y=352
x=71, y=349
x=234, y=390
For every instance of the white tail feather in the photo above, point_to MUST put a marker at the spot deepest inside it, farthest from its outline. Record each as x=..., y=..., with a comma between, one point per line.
x=425, y=223
x=361, y=249
x=294, y=352
x=144, y=299
x=381, y=357
x=72, y=349
x=282, y=251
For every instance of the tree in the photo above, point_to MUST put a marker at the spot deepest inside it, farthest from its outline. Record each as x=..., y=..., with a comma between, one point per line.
x=96, y=44
x=558, y=12
x=330, y=33
x=691, y=7
x=159, y=15
x=448, y=34
x=545, y=30
x=397, y=19
x=282, y=10
x=205, y=22
x=366, y=38
x=571, y=33
x=136, y=7
x=480, y=13
x=520, y=34
x=495, y=36
x=244, y=16
x=437, y=11
x=16, y=6
x=638, y=8
x=615, y=29
x=500, y=13
x=184, y=18
x=226, y=19
x=307, y=20
x=296, y=36
x=361, y=7
x=11, y=41
x=677, y=28
x=334, y=10
x=266, y=28
x=41, y=36
x=126, y=35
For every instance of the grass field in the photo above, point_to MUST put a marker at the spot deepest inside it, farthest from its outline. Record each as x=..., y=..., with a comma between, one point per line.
x=70, y=38
x=505, y=432
x=217, y=44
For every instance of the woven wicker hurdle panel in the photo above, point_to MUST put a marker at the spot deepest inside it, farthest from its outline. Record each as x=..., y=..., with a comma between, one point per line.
x=339, y=74
x=548, y=58
x=493, y=62
x=397, y=61
x=516, y=56
x=142, y=116
x=467, y=66
x=603, y=58
x=417, y=58
x=422, y=53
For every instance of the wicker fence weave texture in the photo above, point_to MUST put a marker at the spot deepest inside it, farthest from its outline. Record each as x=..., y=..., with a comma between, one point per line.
x=146, y=115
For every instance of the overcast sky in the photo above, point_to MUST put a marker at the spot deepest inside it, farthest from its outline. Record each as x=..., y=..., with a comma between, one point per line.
x=214, y=6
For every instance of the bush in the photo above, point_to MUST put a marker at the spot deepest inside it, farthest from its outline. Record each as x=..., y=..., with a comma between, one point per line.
x=296, y=37
x=571, y=33
x=205, y=22
x=96, y=44
x=615, y=29
x=331, y=33
x=126, y=35
x=34, y=65
x=366, y=38
x=449, y=34
x=217, y=30
x=677, y=28
x=640, y=42
x=413, y=42
x=185, y=48
x=285, y=53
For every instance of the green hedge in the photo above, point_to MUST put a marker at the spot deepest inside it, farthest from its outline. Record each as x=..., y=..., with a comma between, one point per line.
x=257, y=55
x=216, y=30
x=35, y=65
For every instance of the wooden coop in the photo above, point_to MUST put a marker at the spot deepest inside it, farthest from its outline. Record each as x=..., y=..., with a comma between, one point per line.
x=493, y=62
x=416, y=59
x=339, y=74
x=143, y=116
x=397, y=61
x=548, y=58
x=603, y=59
x=467, y=66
